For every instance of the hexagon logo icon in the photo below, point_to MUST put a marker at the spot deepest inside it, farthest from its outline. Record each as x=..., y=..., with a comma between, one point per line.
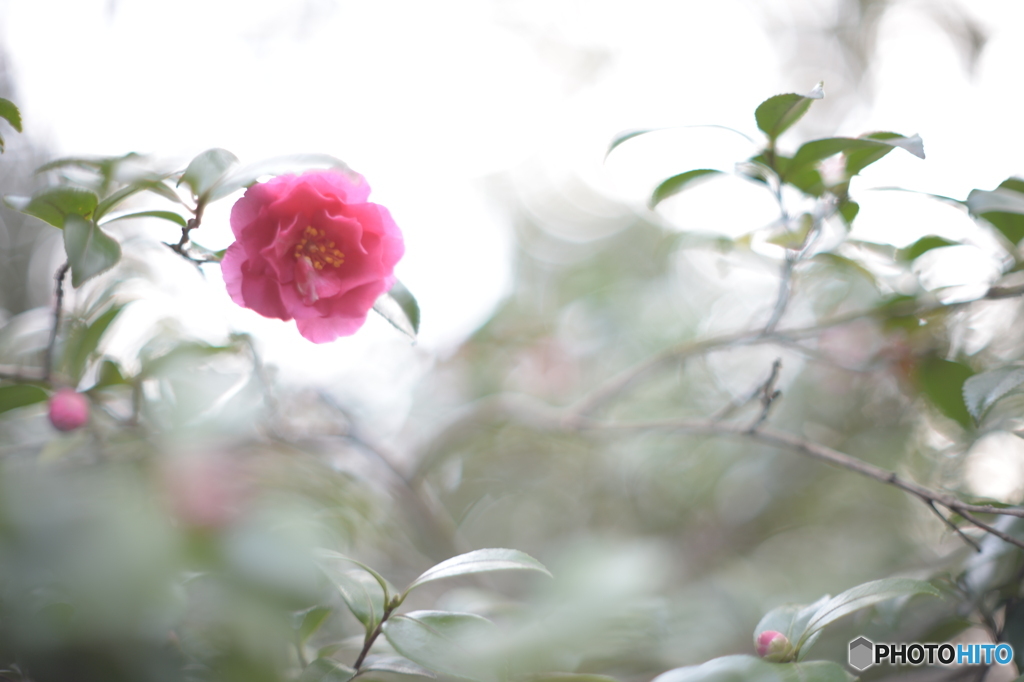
x=862, y=652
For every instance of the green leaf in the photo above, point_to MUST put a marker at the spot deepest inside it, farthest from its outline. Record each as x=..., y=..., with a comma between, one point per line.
x=447, y=643
x=84, y=340
x=857, y=598
x=860, y=151
x=384, y=585
x=20, y=395
x=630, y=134
x=848, y=210
x=790, y=619
x=9, y=112
x=312, y=619
x=677, y=183
x=155, y=185
x=480, y=561
x=794, y=238
x=326, y=670
x=859, y=158
x=281, y=165
x=90, y=250
x=627, y=135
x=54, y=204
x=776, y=114
x=396, y=664
x=752, y=669
x=110, y=375
x=163, y=215
x=981, y=391
x=1003, y=207
x=362, y=594
x=922, y=246
x=942, y=382
x=399, y=307
x=844, y=263
x=204, y=171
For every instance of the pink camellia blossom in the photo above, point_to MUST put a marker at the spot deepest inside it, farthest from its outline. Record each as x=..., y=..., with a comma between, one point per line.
x=773, y=646
x=311, y=248
x=68, y=409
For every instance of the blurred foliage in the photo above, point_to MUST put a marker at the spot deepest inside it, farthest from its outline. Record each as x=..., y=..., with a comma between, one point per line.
x=613, y=418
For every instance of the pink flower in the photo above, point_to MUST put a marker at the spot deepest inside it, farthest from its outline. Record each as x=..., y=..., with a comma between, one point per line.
x=311, y=248
x=68, y=409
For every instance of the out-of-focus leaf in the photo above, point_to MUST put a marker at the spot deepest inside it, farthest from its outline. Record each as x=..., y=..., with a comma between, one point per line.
x=155, y=185
x=569, y=677
x=204, y=171
x=752, y=669
x=1003, y=207
x=981, y=391
x=630, y=134
x=794, y=238
x=110, y=375
x=848, y=211
x=384, y=584
x=201, y=253
x=1013, y=631
x=163, y=215
x=84, y=341
x=860, y=597
x=362, y=594
x=54, y=204
x=808, y=181
x=942, y=382
x=844, y=263
x=857, y=159
x=445, y=642
x=396, y=664
x=627, y=135
x=677, y=183
x=776, y=114
x=311, y=621
x=20, y=395
x=281, y=165
x=9, y=112
x=399, y=307
x=153, y=366
x=326, y=670
x=922, y=246
x=860, y=151
x=480, y=561
x=789, y=619
x=90, y=250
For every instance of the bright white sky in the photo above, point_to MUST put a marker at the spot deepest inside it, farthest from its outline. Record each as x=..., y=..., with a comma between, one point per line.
x=433, y=100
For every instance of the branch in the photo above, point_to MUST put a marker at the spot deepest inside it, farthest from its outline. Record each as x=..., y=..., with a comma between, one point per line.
x=58, y=306
x=620, y=384
x=825, y=454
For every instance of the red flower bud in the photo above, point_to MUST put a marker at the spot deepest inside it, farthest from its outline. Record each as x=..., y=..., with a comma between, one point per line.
x=773, y=646
x=68, y=409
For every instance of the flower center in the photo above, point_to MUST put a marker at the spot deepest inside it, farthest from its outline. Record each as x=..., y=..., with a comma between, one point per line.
x=319, y=250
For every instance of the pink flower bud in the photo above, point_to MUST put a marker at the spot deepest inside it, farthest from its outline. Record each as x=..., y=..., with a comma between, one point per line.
x=68, y=409
x=773, y=646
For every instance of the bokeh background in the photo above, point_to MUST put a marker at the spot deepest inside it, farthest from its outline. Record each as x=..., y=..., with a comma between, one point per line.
x=483, y=126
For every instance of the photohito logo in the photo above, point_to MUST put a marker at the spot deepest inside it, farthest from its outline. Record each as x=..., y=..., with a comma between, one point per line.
x=864, y=653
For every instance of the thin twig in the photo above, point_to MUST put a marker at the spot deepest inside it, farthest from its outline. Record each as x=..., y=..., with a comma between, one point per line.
x=58, y=307
x=768, y=394
x=619, y=385
x=952, y=526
